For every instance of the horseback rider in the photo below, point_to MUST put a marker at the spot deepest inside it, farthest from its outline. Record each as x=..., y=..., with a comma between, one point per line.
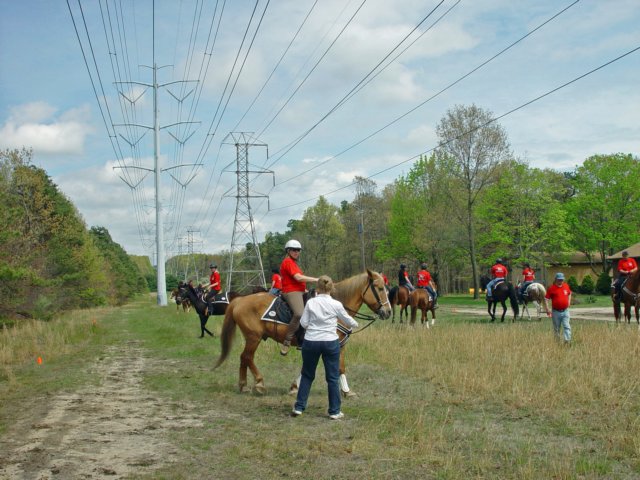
x=626, y=266
x=293, y=288
x=276, y=282
x=403, y=278
x=498, y=273
x=214, y=285
x=528, y=277
x=425, y=281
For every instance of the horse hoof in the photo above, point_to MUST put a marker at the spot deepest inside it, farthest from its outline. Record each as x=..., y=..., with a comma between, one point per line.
x=349, y=394
x=245, y=389
x=293, y=391
x=260, y=389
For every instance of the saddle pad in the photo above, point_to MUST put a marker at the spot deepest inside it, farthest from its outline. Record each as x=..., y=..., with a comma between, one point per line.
x=278, y=311
x=220, y=298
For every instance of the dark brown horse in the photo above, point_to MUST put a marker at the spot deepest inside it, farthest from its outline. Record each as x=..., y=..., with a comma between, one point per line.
x=399, y=296
x=500, y=293
x=630, y=296
x=421, y=300
x=203, y=308
x=246, y=313
x=181, y=301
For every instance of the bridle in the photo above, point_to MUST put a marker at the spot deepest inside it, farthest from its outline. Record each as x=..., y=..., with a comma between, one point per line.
x=365, y=316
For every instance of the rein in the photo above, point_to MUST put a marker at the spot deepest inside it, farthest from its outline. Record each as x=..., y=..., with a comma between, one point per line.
x=364, y=316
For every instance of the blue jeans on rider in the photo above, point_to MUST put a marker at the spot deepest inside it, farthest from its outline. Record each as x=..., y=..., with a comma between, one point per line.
x=491, y=284
x=311, y=353
x=523, y=288
x=274, y=291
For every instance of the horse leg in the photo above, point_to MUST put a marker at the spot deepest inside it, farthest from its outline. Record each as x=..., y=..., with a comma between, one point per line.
x=246, y=360
x=203, y=322
x=504, y=310
x=344, y=385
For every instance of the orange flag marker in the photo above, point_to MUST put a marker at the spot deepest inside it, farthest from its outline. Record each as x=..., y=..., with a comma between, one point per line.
x=39, y=360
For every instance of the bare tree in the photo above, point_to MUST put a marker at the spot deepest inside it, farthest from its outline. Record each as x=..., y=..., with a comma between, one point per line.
x=472, y=147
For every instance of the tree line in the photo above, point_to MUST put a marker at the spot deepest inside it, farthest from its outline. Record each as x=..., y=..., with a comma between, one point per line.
x=49, y=260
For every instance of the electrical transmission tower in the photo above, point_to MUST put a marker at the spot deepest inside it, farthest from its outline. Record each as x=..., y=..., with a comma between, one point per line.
x=245, y=262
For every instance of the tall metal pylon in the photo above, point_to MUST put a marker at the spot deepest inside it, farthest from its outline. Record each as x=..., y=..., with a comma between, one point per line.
x=245, y=262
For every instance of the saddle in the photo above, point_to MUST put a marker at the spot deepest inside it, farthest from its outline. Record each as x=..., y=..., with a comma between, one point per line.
x=218, y=298
x=279, y=311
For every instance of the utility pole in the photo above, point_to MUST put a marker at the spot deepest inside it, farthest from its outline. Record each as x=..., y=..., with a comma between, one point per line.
x=245, y=262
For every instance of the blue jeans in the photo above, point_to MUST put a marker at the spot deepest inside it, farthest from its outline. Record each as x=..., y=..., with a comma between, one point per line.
x=491, y=284
x=561, y=319
x=311, y=353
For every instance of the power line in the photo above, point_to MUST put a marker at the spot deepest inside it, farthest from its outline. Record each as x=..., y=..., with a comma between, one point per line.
x=493, y=120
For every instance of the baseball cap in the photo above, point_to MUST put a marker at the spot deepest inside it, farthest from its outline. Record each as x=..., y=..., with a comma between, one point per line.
x=559, y=276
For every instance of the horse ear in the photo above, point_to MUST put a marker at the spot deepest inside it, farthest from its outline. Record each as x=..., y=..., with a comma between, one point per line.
x=370, y=273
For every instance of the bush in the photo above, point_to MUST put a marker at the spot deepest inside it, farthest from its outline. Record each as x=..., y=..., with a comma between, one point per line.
x=587, y=286
x=603, y=285
x=573, y=284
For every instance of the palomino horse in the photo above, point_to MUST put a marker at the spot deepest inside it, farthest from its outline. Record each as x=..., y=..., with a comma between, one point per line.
x=534, y=293
x=421, y=300
x=500, y=293
x=630, y=296
x=180, y=301
x=246, y=313
x=399, y=296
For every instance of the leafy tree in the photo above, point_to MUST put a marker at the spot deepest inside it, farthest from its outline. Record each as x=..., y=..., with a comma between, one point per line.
x=472, y=148
x=603, y=213
x=573, y=284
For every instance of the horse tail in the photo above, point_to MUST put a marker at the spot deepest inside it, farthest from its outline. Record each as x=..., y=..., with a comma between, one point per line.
x=514, y=300
x=227, y=334
x=392, y=295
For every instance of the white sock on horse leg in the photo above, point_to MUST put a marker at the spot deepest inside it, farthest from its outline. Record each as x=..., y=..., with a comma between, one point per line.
x=344, y=386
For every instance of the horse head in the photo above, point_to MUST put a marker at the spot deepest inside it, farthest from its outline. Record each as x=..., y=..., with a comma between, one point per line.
x=375, y=296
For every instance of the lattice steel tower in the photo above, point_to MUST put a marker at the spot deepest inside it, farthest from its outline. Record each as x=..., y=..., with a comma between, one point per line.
x=245, y=262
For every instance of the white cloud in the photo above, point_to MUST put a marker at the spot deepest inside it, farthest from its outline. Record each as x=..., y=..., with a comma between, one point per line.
x=34, y=125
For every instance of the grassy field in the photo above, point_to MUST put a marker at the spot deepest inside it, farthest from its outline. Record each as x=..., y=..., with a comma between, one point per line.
x=465, y=399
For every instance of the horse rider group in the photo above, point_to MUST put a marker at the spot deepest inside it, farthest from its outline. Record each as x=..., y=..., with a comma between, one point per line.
x=424, y=281
x=499, y=274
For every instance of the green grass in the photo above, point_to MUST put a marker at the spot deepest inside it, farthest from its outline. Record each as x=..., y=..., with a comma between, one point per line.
x=465, y=399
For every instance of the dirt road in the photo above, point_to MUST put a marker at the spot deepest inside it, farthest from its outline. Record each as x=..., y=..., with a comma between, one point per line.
x=110, y=430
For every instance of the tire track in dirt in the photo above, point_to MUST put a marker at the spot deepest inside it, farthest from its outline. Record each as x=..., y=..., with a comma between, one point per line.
x=110, y=430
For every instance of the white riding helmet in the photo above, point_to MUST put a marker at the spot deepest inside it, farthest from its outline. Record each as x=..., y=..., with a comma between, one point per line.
x=292, y=244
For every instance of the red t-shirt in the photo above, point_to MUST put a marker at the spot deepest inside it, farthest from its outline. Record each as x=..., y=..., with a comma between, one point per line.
x=276, y=281
x=214, y=281
x=627, y=264
x=499, y=271
x=559, y=296
x=288, y=268
x=424, y=278
x=528, y=274
x=385, y=279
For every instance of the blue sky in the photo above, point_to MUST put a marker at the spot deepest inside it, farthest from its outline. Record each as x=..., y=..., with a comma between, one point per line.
x=47, y=101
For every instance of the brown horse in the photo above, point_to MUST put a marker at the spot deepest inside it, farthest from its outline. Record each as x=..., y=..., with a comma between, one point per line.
x=246, y=313
x=630, y=296
x=399, y=296
x=535, y=294
x=421, y=300
x=180, y=301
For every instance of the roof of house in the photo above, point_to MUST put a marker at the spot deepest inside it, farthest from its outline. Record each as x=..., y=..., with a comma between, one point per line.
x=575, y=258
x=634, y=251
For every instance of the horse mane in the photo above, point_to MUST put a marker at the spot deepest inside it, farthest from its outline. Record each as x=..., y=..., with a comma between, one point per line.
x=350, y=287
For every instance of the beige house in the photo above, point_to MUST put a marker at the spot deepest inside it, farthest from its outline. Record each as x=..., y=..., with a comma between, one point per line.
x=576, y=265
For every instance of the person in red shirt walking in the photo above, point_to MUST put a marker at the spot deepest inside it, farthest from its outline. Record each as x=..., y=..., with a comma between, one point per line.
x=528, y=277
x=293, y=288
x=276, y=282
x=560, y=295
x=425, y=281
x=626, y=266
x=498, y=272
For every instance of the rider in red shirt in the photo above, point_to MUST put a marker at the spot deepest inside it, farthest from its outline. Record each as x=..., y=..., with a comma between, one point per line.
x=626, y=266
x=276, y=282
x=214, y=280
x=293, y=288
x=425, y=281
x=498, y=273
x=528, y=277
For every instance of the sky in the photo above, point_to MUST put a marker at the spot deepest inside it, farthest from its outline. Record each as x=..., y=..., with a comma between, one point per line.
x=320, y=91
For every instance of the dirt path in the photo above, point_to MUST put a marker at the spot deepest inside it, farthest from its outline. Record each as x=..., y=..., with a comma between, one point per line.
x=585, y=313
x=106, y=431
